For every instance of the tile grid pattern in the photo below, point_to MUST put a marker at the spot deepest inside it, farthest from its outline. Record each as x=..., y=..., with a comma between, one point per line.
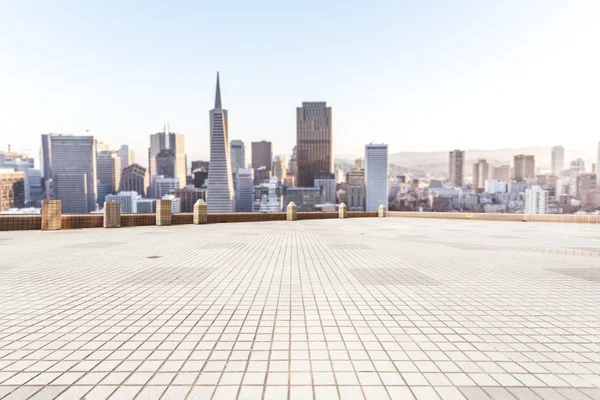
x=285, y=311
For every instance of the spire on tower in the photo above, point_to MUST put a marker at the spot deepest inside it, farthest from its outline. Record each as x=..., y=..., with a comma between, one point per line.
x=218, y=94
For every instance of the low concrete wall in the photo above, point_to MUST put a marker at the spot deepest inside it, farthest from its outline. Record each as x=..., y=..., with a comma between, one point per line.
x=566, y=218
x=16, y=222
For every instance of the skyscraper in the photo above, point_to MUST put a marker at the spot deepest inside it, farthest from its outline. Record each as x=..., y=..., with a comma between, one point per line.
x=108, y=171
x=279, y=169
x=501, y=173
x=134, y=178
x=457, y=165
x=127, y=156
x=536, y=200
x=262, y=154
x=314, y=141
x=73, y=163
x=558, y=160
x=220, y=196
x=481, y=173
x=244, y=195
x=524, y=167
x=238, y=155
x=162, y=186
x=376, y=176
x=170, y=146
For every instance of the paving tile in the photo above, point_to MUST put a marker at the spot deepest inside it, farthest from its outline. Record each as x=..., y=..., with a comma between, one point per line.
x=350, y=309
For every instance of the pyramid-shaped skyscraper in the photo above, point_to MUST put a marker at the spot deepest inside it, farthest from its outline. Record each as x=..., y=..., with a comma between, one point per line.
x=220, y=196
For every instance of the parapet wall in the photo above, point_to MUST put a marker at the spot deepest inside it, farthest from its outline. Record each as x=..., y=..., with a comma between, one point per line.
x=12, y=222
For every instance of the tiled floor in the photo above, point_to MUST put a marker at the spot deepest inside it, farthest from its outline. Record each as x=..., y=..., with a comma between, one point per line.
x=327, y=309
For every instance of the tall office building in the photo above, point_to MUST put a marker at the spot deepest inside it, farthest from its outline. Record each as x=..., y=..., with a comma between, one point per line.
x=244, y=195
x=261, y=174
x=19, y=162
x=326, y=182
x=220, y=196
x=456, y=168
x=46, y=163
x=577, y=168
x=558, y=160
x=12, y=189
x=127, y=156
x=501, y=173
x=292, y=173
x=262, y=154
x=108, y=171
x=376, y=176
x=524, y=167
x=355, y=179
x=536, y=200
x=279, y=168
x=134, y=178
x=314, y=141
x=237, y=149
x=481, y=173
x=170, y=147
x=74, y=177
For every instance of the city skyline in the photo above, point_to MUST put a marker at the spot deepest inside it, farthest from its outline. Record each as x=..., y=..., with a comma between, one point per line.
x=494, y=72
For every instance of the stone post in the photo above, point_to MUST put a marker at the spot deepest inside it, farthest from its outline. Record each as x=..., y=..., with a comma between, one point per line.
x=51, y=215
x=292, y=212
x=200, y=212
x=381, y=211
x=343, y=211
x=163, y=212
x=112, y=214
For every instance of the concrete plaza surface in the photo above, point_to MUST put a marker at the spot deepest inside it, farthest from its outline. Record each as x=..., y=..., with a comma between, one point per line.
x=371, y=308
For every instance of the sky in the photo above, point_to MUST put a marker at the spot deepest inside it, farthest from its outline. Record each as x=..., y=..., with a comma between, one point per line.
x=419, y=75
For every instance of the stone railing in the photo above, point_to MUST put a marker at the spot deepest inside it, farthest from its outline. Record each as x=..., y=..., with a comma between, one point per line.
x=52, y=219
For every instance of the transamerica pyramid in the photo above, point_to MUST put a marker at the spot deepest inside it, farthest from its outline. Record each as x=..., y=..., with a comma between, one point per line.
x=220, y=196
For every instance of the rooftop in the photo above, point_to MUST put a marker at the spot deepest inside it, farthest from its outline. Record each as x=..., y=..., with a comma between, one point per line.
x=366, y=307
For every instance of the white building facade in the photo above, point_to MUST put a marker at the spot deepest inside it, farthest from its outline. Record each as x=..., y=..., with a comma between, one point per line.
x=376, y=176
x=536, y=200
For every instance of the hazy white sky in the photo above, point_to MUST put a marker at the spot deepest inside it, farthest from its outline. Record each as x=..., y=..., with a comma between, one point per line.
x=420, y=75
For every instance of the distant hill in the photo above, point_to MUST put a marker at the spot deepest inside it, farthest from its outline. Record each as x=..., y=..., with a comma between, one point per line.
x=439, y=160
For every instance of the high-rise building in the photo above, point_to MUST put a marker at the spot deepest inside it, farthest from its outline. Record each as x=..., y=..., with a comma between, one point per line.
x=36, y=188
x=12, y=189
x=314, y=141
x=536, y=200
x=577, y=167
x=355, y=179
x=558, y=160
x=585, y=183
x=456, y=168
x=326, y=182
x=481, y=173
x=108, y=172
x=200, y=177
x=18, y=162
x=238, y=155
x=145, y=206
x=170, y=146
x=199, y=164
x=495, y=186
x=244, y=194
x=134, y=178
x=162, y=186
x=261, y=174
x=376, y=176
x=46, y=163
x=279, y=168
x=262, y=155
x=74, y=176
x=127, y=156
x=189, y=196
x=501, y=173
x=220, y=196
x=292, y=174
x=128, y=201
x=524, y=167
